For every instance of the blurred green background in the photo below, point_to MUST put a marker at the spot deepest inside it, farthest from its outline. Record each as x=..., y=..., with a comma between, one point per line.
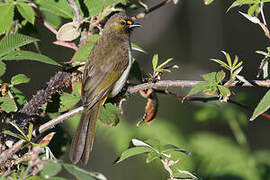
x=223, y=143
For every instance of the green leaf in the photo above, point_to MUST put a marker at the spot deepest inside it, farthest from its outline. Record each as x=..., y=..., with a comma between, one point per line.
x=2, y=68
x=13, y=41
x=30, y=131
x=223, y=64
x=164, y=63
x=18, y=96
x=26, y=11
x=137, y=142
x=51, y=169
x=155, y=61
x=133, y=152
x=224, y=91
x=228, y=57
x=207, y=2
x=29, y=56
x=6, y=17
x=135, y=47
x=242, y=2
x=198, y=88
x=254, y=9
x=82, y=174
x=263, y=105
x=211, y=77
x=59, y=8
x=67, y=101
x=220, y=76
x=21, y=131
x=108, y=114
x=94, y=7
x=19, y=136
x=19, y=79
x=83, y=52
x=170, y=147
x=35, y=178
x=53, y=20
x=154, y=143
x=152, y=156
x=7, y=105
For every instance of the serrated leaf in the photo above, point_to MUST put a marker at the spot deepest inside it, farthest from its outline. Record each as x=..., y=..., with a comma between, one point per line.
x=67, y=101
x=2, y=68
x=7, y=105
x=155, y=61
x=132, y=152
x=83, y=52
x=108, y=114
x=59, y=8
x=263, y=106
x=26, y=11
x=152, y=156
x=28, y=56
x=51, y=169
x=198, y=88
x=82, y=174
x=19, y=79
x=13, y=41
x=135, y=47
x=6, y=17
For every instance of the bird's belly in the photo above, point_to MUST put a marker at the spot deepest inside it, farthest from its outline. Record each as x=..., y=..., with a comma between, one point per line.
x=122, y=80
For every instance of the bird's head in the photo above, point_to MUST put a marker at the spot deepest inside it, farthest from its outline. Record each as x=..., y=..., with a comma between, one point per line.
x=120, y=23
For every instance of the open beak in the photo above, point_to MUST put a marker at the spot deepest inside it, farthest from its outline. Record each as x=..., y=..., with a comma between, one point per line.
x=131, y=26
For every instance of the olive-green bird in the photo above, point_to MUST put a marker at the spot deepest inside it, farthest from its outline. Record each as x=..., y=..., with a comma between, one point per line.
x=105, y=74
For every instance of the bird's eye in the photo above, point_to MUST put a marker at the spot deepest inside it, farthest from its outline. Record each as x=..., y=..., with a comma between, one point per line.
x=123, y=22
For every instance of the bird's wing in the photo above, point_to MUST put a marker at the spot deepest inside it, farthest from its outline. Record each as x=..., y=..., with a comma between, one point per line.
x=98, y=81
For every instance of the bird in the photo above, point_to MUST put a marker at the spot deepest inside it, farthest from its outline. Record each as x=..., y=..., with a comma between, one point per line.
x=105, y=74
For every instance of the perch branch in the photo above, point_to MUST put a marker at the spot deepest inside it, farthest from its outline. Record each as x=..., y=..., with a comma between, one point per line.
x=131, y=90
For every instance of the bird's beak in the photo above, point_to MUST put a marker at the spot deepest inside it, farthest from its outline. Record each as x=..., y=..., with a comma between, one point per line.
x=131, y=26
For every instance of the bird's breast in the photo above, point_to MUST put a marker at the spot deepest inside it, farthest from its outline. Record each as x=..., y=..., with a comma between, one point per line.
x=122, y=80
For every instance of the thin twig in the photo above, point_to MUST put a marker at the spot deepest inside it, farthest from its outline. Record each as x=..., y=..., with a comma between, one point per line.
x=147, y=11
x=262, y=13
x=76, y=10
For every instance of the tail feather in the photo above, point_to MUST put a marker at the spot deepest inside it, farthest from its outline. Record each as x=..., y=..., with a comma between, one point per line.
x=83, y=139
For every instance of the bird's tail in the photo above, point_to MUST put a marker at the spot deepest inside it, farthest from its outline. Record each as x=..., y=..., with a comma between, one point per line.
x=83, y=139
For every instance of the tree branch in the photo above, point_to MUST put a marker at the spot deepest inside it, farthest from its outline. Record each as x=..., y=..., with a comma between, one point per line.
x=186, y=83
x=76, y=10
